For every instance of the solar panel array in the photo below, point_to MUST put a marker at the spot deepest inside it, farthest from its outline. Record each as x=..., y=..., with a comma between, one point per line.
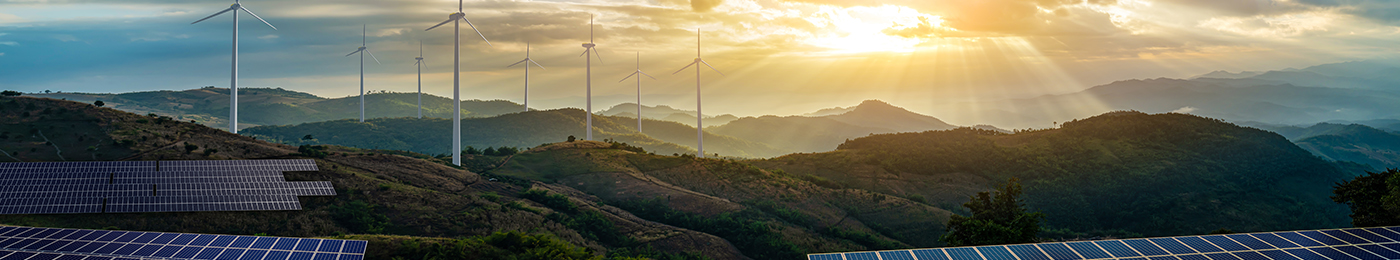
x=56, y=243
x=154, y=186
x=1379, y=243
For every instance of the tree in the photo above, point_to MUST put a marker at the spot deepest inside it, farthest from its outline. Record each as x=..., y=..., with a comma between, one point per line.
x=99, y=103
x=999, y=218
x=489, y=151
x=471, y=150
x=10, y=93
x=1374, y=198
x=571, y=138
x=307, y=137
x=190, y=147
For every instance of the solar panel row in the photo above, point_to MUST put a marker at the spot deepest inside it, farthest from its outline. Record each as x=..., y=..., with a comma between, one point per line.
x=112, y=190
x=1342, y=244
x=105, y=177
x=53, y=243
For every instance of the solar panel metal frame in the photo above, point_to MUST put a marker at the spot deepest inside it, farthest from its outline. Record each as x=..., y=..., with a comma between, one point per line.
x=104, y=244
x=1375, y=243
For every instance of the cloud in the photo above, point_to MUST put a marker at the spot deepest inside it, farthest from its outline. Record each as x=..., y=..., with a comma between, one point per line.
x=269, y=37
x=2, y=54
x=65, y=38
x=1281, y=26
x=704, y=5
x=1384, y=11
x=1184, y=110
x=10, y=43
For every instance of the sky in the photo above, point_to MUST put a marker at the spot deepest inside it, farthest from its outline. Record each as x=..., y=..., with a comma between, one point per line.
x=777, y=57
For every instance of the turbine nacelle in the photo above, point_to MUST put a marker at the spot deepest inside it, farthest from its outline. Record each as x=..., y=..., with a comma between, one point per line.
x=362, y=48
x=589, y=45
x=457, y=15
x=234, y=6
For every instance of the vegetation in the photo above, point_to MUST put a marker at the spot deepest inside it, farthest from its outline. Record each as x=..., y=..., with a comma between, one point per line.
x=997, y=218
x=1374, y=199
x=756, y=238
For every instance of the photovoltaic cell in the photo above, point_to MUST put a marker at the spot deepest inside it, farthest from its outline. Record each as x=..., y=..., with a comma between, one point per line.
x=1330, y=244
x=51, y=243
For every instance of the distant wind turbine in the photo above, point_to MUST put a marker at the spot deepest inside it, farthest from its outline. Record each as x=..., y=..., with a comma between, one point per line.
x=363, y=37
x=699, y=132
x=589, y=48
x=233, y=79
x=527, y=74
x=639, y=75
x=420, y=64
x=457, y=76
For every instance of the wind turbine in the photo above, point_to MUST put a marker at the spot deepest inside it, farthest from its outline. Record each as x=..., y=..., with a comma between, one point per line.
x=420, y=64
x=639, y=75
x=527, y=74
x=457, y=76
x=699, y=132
x=589, y=48
x=233, y=79
x=363, y=37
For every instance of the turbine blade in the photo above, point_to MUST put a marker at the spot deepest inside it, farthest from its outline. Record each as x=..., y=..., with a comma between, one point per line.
x=595, y=53
x=648, y=75
x=352, y=53
x=707, y=64
x=518, y=63
x=439, y=24
x=585, y=52
x=213, y=15
x=425, y=64
x=628, y=77
x=537, y=64
x=250, y=12
x=376, y=60
x=686, y=67
x=478, y=32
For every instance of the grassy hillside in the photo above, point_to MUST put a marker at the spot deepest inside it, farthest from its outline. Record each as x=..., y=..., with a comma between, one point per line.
x=824, y=133
x=1117, y=173
x=277, y=106
x=433, y=135
x=1356, y=143
x=379, y=192
x=767, y=215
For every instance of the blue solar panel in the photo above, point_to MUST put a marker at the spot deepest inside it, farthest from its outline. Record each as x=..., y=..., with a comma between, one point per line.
x=1248, y=255
x=862, y=256
x=1172, y=246
x=896, y=255
x=1145, y=247
x=1274, y=240
x=1250, y=241
x=1193, y=257
x=1344, y=236
x=930, y=254
x=1359, y=253
x=1322, y=238
x=1027, y=252
x=1374, y=238
x=1089, y=250
x=1382, y=251
x=1165, y=257
x=1392, y=235
x=1059, y=251
x=1299, y=239
x=963, y=253
x=85, y=244
x=1279, y=255
x=1333, y=254
x=1222, y=256
x=1117, y=248
x=995, y=253
x=1225, y=243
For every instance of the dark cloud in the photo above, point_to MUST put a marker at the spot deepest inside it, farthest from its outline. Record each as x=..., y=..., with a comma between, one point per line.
x=704, y=5
x=1384, y=11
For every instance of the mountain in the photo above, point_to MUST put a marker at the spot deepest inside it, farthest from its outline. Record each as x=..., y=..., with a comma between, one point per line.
x=269, y=106
x=1354, y=143
x=1220, y=74
x=407, y=205
x=1113, y=174
x=829, y=111
x=819, y=134
x=667, y=113
x=527, y=129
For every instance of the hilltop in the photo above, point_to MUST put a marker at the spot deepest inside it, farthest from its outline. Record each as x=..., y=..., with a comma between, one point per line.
x=823, y=133
x=1113, y=174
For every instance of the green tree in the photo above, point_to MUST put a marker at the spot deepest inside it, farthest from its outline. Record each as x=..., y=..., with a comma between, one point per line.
x=999, y=218
x=307, y=137
x=471, y=150
x=99, y=103
x=10, y=93
x=1374, y=198
x=489, y=151
x=190, y=147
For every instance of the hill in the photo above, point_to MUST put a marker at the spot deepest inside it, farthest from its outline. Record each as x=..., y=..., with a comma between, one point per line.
x=527, y=129
x=1355, y=143
x=666, y=113
x=277, y=106
x=820, y=134
x=1113, y=174
x=384, y=195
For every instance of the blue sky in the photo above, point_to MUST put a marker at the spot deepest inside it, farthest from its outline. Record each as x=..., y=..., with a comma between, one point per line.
x=779, y=56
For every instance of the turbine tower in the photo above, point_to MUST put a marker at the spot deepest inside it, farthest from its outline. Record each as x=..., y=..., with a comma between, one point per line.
x=588, y=91
x=420, y=64
x=233, y=79
x=457, y=76
x=639, y=75
x=527, y=74
x=364, y=34
x=699, y=132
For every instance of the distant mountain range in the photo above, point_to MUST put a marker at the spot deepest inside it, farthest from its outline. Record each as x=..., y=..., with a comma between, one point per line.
x=823, y=133
x=1350, y=142
x=664, y=112
x=1354, y=91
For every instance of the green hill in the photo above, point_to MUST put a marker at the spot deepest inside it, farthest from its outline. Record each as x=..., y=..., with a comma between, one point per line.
x=277, y=106
x=528, y=129
x=1117, y=173
x=824, y=133
x=1355, y=143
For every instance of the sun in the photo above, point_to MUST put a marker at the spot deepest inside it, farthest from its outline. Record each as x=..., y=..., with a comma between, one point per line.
x=865, y=29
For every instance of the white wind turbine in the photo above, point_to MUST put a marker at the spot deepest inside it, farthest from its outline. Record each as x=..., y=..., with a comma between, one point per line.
x=365, y=50
x=233, y=80
x=527, y=74
x=639, y=75
x=456, y=77
x=420, y=64
x=589, y=48
x=699, y=132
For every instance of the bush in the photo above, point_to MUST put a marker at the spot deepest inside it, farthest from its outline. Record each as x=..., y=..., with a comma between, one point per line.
x=360, y=217
x=10, y=93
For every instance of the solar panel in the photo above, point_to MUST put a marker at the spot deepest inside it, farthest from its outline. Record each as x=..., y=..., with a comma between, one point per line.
x=53, y=243
x=154, y=186
x=1378, y=243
